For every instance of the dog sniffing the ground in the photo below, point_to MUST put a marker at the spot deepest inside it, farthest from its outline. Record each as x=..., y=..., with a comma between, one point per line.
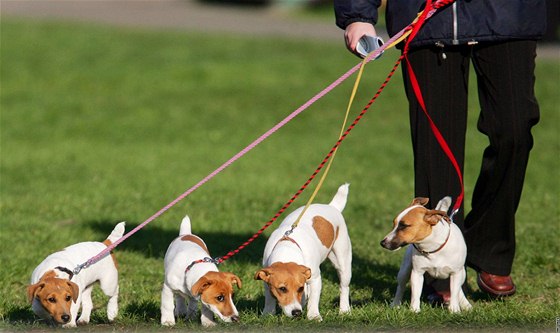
x=291, y=272
x=56, y=294
x=191, y=274
x=438, y=248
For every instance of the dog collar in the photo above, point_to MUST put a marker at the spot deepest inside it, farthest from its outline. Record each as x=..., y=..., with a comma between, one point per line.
x=65, y=270
x=426, y=253
x=205, y=259
x=286, y=238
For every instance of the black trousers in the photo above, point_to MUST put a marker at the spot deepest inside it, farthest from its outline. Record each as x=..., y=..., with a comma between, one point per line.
x=508, y=110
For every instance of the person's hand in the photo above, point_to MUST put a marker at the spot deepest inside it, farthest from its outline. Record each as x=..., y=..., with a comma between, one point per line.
x=354, y=32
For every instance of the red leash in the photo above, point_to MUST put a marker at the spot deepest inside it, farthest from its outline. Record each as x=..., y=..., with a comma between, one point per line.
x=316, y=172
x=418, y=93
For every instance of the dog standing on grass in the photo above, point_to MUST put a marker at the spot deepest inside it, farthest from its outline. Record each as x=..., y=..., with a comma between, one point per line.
x=291, y=272
x=188, y=277
x=56, y=294
x=437, y=247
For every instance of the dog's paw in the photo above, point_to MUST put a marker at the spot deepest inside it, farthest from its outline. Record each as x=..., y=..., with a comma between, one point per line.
x=345, y=310
x=455, y=308
x=466, y=306
x=207, y=322
x=82, y=321
x=70, y=325
x=168, y=322
x=316, y=317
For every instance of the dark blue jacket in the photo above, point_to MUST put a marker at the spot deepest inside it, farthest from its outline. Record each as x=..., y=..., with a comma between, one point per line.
x=462, y=22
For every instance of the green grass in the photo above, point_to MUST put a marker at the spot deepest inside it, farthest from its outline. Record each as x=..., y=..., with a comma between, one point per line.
x=102, y=124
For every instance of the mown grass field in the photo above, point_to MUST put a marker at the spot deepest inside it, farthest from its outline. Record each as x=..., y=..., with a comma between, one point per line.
x=101, y=125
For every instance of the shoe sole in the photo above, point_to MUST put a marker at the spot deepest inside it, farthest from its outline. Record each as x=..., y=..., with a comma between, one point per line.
x=494, y=292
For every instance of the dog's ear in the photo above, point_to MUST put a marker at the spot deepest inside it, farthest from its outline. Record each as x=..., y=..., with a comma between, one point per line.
x=33, y=289
x=433, y=216
x=75, y=290
x=420, y=201
x=234, y=279
x=263, y=274
x=202, y=284
x=305, y=271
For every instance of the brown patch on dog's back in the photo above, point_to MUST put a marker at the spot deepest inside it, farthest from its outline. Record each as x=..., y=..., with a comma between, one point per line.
x=325, y=231
x=108, y=243
x=196, y=240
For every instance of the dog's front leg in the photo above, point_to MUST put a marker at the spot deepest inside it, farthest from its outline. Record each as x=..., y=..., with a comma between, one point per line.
x=402, y=278
x=458, y=301
x=167, y=306
x=207, y=317
x=74, y=308
x=416, y=281
x=314, y=285
x=269, y=301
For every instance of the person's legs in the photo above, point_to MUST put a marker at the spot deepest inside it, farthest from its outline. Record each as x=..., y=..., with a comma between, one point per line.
x=444, y=84
x=505, y=74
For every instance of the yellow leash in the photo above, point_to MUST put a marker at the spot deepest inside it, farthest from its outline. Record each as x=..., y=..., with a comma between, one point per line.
x=352, y=96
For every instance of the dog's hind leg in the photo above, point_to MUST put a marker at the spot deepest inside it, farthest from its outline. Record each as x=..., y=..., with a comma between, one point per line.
x=87, y=305
x=341, y=258
x=110, y=287
x=167, y=306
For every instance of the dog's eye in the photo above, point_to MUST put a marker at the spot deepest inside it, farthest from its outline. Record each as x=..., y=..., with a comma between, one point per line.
x=283, y=289
x=68, y=298
x=51, y=299
x=402, y=226
x=220, y=298
x=300, y=290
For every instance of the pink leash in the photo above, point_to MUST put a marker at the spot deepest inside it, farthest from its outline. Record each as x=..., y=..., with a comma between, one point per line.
x=244, y=151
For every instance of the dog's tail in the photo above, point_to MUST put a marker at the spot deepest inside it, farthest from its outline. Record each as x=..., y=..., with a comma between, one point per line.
x=185, y=226
x=444, y=204
x=117, y=232
x=339, y=200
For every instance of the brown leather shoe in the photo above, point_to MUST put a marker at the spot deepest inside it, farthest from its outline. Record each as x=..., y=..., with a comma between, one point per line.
x=496, y=285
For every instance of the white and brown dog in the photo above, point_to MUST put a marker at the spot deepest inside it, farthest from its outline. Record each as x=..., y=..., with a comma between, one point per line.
x=56, y=294
x=292, y=275
x=191, y=274
x=438, y=248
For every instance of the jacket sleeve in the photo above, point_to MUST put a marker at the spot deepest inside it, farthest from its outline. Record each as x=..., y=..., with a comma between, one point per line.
x=350, y=11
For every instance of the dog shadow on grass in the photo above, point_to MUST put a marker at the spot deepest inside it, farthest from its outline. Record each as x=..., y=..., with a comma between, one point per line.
x=153, y=241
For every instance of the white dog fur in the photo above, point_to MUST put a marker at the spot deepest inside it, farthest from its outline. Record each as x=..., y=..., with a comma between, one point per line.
x=291, y=272
x=437, y=247
x=200, y=281
x=57, y=298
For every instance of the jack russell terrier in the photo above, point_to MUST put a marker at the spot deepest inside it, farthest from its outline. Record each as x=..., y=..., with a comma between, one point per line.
x=190, y=273
x=292, y=274
x=56, y=294
x=438, y=248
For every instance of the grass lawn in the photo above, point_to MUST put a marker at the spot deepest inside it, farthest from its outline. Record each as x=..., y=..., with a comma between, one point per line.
x=101, y=125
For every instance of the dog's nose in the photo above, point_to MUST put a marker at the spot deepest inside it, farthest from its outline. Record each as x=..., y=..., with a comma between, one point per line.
x=296, y=313
x=235, y=319
x=65, y=318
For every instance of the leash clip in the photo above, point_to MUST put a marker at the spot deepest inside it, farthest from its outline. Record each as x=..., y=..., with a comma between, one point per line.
x=453, y=214
x=289, y=232
x=78, y=268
